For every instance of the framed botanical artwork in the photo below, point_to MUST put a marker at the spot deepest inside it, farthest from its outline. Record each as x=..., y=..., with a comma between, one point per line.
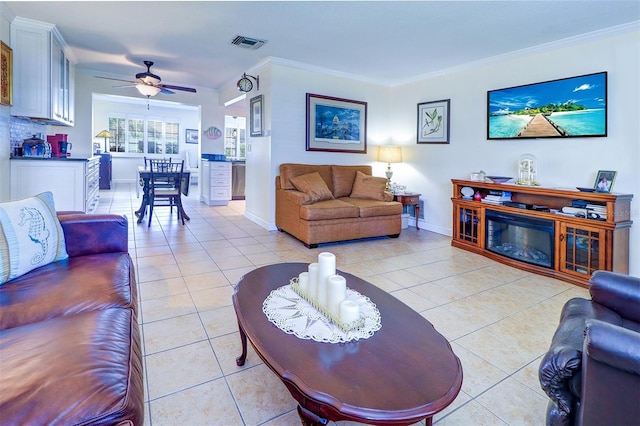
x=604, y=180
x=256, y=109
x=433, y=122
x=191, y=136
x=336, y=124
x=6, y=65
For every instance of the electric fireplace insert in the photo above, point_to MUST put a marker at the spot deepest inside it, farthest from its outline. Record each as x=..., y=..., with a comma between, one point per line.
x=521, y=238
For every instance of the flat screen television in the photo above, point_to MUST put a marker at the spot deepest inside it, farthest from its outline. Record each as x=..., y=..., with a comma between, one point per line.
x=564, y=108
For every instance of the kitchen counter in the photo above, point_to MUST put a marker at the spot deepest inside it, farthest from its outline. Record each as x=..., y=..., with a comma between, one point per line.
x=74, y=181
x=53, y=158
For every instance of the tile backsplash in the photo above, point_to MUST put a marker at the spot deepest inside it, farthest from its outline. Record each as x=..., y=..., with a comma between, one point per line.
x=20, y=129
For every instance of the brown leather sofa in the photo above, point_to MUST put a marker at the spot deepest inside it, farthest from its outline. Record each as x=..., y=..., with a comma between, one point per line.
x=591, y=373
x=339, y=215
x=69, y=340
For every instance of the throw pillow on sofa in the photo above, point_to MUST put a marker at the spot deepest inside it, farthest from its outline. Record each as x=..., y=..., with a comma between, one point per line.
x=313, y=185
x=368, y=187
x=30, y=236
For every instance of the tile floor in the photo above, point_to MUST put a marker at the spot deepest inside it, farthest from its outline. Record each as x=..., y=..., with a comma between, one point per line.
x=498, y=319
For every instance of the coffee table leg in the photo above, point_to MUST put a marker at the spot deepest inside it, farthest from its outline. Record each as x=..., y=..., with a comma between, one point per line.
x=243, y=339
x=310, y=419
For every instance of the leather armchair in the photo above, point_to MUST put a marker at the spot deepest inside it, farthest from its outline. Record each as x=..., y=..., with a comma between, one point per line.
x=591, y=372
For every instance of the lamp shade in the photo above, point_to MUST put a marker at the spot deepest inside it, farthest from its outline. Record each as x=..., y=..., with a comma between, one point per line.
x=104, y=134
x=147, y=90
x=390, y=154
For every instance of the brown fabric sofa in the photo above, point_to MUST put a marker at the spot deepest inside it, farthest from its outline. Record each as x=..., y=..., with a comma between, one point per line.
x=591, y=372
x=69, y=340
x=354, y=207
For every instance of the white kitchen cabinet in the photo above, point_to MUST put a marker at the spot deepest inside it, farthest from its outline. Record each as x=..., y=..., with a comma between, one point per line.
x=216, y=182
x=43, y=73
x=73, y=182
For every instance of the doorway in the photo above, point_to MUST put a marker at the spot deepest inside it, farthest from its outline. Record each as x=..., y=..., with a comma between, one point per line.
x=235, y=150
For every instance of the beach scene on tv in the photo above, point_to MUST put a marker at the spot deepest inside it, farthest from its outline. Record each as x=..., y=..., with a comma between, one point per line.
x=570, y=107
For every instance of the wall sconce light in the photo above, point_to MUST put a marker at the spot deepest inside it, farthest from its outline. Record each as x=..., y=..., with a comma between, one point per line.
x=246, y=85
x=389, y=154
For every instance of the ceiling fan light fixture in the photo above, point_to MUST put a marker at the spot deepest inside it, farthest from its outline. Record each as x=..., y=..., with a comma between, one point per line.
x=147, y=90
x=150, y=79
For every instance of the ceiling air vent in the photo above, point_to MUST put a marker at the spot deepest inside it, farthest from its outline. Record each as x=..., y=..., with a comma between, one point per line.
x=248, y=42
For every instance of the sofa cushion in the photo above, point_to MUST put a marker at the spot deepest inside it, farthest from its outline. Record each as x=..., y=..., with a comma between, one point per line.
x=343, y=178
x=331, y=209
x=78, y=284
x=312, y=185
x=30, y=235
x=372, y=208
x=77, y=369
x=291, y=170
x=368, y=187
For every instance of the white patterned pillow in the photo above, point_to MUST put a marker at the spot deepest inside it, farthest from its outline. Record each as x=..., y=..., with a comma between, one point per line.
x=30, y=236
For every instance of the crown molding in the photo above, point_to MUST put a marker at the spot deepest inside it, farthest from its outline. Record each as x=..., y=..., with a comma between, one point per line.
x=557, y=44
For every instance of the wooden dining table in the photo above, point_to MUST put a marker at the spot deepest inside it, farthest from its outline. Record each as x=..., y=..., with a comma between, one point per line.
x=144, y=175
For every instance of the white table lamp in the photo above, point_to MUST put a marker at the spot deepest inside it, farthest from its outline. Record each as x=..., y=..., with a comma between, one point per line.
x=389, y=154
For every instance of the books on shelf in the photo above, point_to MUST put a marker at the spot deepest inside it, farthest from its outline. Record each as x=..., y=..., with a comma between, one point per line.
x=497, y=197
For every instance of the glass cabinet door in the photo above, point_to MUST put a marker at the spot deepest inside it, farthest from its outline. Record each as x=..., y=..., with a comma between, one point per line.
x=581, y=249
x=467, y=224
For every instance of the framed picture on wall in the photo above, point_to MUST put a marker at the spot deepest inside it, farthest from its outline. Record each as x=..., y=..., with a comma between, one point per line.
x=433, y=121
x=336, y=124
x=191, y=136
x=255, y=116
x=6, y=64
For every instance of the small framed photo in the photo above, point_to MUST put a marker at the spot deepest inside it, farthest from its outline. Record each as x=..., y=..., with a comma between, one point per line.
x=433, y=122
x=336, y=124
x=604, y=180
x=191, y=136
x=255, y=116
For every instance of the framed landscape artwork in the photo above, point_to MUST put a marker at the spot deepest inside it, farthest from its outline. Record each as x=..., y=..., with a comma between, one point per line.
x=433, y=121
x=564, y=108
x=336, y=124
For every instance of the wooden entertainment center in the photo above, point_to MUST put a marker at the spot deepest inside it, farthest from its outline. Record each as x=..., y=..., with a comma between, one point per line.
x=579, y=245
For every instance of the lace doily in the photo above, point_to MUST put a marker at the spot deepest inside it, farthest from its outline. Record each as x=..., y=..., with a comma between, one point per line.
x=292, y=314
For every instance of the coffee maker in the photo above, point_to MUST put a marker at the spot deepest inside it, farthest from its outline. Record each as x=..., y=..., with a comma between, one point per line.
x=60, y=148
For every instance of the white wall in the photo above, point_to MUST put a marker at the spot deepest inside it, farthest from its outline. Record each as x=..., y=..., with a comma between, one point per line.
x=284, y=90
x=562, y=162
x=428, y=169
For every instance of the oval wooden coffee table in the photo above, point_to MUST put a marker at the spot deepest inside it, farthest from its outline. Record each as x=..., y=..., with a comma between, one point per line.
x=404, y=373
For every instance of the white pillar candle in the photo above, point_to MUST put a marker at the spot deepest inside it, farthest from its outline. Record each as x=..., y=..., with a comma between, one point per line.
x=349, y=311
x=336, y=293
x=326, y=268
x=303, y=282
x=313, y=281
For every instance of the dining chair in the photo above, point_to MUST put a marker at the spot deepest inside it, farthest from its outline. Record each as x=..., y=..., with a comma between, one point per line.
x=165, y=186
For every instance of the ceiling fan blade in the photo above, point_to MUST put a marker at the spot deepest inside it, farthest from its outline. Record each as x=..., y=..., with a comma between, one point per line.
x=166, y=91
x=184, y=89
x=116, y=79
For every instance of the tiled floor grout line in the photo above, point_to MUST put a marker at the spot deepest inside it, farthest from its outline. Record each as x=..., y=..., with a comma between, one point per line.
x=164, y=237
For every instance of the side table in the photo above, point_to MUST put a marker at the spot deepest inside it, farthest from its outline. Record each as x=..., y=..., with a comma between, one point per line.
x=410, y=199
